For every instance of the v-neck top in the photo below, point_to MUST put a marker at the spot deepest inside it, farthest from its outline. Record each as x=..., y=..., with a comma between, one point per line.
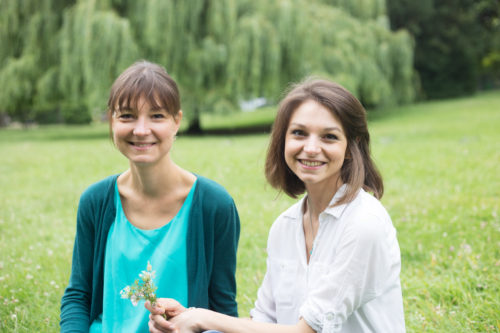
x=128, y=250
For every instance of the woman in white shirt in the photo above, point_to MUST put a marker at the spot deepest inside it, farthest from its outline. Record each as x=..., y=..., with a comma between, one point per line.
x=333, y=258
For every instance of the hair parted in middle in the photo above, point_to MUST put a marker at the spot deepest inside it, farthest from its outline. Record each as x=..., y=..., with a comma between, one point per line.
x=358, y=170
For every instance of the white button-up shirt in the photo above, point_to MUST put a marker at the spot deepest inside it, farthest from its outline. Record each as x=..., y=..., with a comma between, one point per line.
x=351, y=283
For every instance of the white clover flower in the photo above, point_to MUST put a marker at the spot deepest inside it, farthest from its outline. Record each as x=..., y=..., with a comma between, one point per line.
x=143, y=289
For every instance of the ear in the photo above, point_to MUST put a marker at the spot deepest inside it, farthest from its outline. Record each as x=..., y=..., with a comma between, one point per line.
x=178, y=118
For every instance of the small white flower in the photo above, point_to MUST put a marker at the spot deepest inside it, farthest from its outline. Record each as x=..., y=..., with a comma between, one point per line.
x=134, y=300
x=125, y=292
x=29, y=276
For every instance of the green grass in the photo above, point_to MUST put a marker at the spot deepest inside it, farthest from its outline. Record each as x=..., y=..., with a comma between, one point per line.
x=439, y=161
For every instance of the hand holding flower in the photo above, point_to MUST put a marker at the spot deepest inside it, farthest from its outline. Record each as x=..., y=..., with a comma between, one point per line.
x=180, y=319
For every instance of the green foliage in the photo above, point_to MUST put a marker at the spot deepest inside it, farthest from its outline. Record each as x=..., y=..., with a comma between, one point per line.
x=439, y=162
x=17, y=91
x=75, y=114
x=452, y=40
x=219, y=52
x=95, y=47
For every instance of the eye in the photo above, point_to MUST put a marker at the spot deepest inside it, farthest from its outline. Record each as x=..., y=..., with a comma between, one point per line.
x=298, y=132
x=158, y=116
x=330, y=136
x=125, y=115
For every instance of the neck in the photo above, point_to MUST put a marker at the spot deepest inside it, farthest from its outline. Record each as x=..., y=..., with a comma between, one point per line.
x=320, y=196
x=154, y=179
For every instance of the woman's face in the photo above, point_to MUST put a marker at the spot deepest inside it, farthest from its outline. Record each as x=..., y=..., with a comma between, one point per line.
x=315, y=145
x=144, y=135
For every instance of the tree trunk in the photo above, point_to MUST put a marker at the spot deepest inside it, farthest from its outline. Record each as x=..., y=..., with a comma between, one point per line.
x=195, y=124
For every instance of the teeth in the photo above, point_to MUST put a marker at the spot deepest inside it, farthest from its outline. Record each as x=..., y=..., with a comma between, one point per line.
x=311, y=163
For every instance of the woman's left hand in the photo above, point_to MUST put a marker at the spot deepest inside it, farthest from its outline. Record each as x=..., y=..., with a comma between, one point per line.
x=164, y=309
x=179, y=319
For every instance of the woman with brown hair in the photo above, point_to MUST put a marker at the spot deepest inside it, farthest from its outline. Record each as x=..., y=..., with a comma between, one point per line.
x=333, y=258
x=185, y=225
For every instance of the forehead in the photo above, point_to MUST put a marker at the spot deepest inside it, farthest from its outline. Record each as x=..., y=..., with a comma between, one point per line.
x=312, y=113
x=138, y=102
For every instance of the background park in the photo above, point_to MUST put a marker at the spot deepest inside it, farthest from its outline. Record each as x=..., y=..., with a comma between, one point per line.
x=428, y=72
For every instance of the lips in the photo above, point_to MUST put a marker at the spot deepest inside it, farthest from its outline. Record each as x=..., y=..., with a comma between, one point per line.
x=311, y=164
x=142, y=145
x=139, y=144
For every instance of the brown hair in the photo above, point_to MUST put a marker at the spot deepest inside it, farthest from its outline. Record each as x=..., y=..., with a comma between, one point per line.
x=147, y=80
x=358, y=170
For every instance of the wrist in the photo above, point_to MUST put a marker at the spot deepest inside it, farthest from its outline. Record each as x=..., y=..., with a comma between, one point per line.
x=202, y=317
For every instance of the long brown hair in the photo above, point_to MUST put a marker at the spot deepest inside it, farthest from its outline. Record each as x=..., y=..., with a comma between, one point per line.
x=358, y=170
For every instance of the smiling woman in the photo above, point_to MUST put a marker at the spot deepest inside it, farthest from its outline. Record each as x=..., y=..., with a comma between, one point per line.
x=333, y=260
x=144, y=134
x=155, y=211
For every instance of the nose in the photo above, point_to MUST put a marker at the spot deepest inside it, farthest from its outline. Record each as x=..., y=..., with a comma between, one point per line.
x=141, y=127
x=312, y=146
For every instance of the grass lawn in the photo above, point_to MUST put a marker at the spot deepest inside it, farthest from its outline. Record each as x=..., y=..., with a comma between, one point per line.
x=440, y=165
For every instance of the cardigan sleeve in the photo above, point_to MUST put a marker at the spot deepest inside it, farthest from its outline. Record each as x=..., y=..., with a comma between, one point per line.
x=76, y=301
x=222, y=285
x=82, y=300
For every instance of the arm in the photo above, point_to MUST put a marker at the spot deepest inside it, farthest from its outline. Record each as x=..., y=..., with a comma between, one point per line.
x=75, y=303
x=222, y=284
x=265, y=307
x=197, y=320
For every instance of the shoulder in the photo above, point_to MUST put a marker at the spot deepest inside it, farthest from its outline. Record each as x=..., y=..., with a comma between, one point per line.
x=211, y=192
x=367, y=217
x=99, y=191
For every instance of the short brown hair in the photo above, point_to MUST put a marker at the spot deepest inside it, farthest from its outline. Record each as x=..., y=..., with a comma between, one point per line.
x=358, y=170
x=147, y=80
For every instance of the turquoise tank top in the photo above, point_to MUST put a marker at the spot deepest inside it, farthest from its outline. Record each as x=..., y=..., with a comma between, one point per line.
x=128, y=251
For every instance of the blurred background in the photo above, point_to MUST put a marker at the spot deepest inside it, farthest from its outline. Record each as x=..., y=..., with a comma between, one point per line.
x=58, y=58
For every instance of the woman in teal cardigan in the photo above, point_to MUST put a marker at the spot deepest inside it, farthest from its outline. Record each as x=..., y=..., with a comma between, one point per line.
x=186, y=225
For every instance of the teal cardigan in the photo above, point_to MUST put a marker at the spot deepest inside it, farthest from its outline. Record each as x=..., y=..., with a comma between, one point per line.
x=212, y=241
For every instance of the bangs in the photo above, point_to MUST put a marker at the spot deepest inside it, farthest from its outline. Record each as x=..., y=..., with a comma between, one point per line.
x=153, y=86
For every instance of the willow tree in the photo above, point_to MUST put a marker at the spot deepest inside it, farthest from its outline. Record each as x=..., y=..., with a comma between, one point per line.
x=193, y=40
x=220, y=52
x=346, y=41
x=28, y=31
x=95, y=46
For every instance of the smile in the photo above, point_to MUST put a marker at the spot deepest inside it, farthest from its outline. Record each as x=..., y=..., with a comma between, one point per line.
x=142, y=144
x=311, y=163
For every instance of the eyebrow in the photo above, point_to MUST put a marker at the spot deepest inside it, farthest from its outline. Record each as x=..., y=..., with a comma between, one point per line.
x=335, y=128
x=130, y=109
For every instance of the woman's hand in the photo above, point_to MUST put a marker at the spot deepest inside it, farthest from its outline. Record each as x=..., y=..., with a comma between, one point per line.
x=159, y=319
x=168, y=306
